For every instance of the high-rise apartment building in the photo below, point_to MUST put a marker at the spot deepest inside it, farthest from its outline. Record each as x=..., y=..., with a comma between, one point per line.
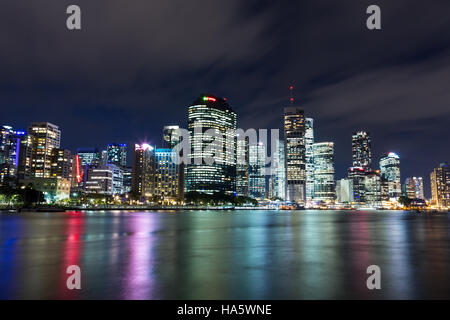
x=295, y=154
x=212, y=158
x=144, y=172
x=46, y=137
x=440, y=186
x=61, y=163
x=167, y=180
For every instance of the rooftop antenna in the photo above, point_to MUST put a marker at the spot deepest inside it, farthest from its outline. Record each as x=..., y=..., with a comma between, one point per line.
x=291, y=94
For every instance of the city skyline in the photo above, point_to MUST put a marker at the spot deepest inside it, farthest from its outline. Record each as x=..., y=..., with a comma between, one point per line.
x=345, y=77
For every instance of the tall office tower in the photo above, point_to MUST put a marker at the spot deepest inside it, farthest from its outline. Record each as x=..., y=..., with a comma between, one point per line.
x=89, y=156
x=295, y=154
x=414, y=188
x=242, y=167
x=171, y=136
x=46, y=137
x=144, y=171
x=24, y=169
x=167, y=180
x=323, y=153
x=344, y=191
x=357, y=175
x=117, y=154
x=372, y=188
x=127, y=177
x=256, y=171
x=361, y=150
x=277, y=181
x=440, y=186
x=212, y=166
x=9, y=153
x=309, y=138
x=61, y=163
x=390, y=172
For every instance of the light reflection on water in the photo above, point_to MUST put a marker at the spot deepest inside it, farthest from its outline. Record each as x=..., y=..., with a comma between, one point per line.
x=224, y=255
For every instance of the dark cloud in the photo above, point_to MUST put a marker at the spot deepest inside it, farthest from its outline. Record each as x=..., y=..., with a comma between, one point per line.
x=136, y=65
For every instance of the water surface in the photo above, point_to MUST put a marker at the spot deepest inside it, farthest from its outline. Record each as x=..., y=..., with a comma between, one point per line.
x=225, y=254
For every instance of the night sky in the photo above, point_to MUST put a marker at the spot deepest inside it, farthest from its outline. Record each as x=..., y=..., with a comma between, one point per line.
x=136, y=66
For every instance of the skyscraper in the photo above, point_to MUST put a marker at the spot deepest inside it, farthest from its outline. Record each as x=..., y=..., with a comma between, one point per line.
x=372, y=188
x=144, y=172
x=242, y=166
x=277, y=182
x=61, y=163
x=323, y=171
x=9, y=153
x=414, y=188
x=295, y=154
x=344, y=191
x=357, y=175
x=171, y=136
x=309, y=138
x=390, y=172
x=256, y=171
x=212, y=167
x=440, y=186
x=167, y=179
x=46, y=137
x=117, y=154
x=361, y=150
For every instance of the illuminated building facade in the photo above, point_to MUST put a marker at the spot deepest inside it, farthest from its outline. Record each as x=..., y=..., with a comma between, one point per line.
x=211, y=167
x=361, y=150
x=390, y=172
x=167, y=180
x=117, y=154
x=242, y=167
x=440, y=186
x=277, y=182
x=171, y=136
x=61, y=163
x=309, y=141
x=295, y=154
x=127, y=178
x=357, y=175
x=144, y=172
x=324, y=189
x=344, y=191
x=46, y=137
x=372, y=188
x=9, y=153
x=24, y=170
x=414, y=188
x=54, y=189
x=89, y=156
x=256, y=171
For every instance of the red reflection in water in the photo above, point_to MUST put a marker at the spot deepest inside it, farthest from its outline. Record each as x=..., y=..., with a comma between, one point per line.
x=71, y=252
